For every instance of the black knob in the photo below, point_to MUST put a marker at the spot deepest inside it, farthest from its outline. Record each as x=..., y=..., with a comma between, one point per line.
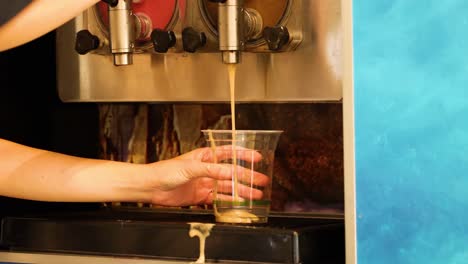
x=86, y=42
x=163, y=40
x=112, y=3
x=276, y=37
x=192, y=39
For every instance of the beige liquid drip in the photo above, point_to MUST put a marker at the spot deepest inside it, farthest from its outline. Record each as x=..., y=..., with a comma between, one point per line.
x=202, y=231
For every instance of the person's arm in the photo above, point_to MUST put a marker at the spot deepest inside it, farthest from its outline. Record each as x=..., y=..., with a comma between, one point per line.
x=34, y=174
x=38, y=18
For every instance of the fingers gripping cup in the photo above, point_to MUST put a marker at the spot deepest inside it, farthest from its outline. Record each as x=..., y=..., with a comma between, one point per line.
x=246, y=196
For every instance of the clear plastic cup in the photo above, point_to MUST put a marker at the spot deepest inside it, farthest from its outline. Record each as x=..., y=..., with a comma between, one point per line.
x=250, y=154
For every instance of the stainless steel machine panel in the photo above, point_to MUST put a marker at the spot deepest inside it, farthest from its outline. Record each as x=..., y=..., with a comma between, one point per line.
x=309, y=69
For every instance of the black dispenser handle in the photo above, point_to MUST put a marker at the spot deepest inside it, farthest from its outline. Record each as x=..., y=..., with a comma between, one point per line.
x=276, y=37
x=193, y=39
x=86, y=42
x=162, y=40
x=112, y=3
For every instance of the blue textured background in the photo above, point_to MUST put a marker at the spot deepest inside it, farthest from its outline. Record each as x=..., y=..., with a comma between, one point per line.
x=411, y=107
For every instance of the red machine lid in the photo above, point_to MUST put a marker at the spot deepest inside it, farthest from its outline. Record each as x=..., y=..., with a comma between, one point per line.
x=161, y=12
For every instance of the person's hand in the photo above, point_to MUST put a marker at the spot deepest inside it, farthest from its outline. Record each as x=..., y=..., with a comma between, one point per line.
x=189, y=179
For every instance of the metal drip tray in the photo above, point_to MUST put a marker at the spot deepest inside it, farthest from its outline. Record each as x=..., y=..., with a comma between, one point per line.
x=165, y=235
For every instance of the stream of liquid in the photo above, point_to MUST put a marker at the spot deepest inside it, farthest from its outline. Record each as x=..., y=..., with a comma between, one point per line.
x=232, y=215
x=232, y=86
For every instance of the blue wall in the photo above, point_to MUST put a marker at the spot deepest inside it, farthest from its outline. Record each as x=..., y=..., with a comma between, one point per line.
x=411, y=107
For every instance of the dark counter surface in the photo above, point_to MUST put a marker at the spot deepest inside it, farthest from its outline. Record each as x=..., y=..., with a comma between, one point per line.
x=165, y=234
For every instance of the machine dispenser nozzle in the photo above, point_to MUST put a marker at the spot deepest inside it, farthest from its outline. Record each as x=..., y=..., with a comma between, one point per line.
x=230, y=29
x=122, y=32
